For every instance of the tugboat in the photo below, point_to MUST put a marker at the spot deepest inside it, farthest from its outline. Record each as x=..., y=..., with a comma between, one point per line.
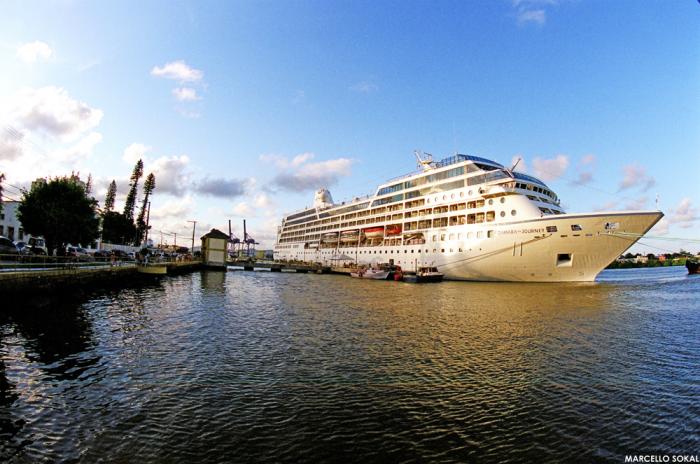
x=693, y=266
x=423, y=275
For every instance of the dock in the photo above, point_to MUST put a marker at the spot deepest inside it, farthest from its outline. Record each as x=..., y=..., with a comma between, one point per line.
x=273, y=266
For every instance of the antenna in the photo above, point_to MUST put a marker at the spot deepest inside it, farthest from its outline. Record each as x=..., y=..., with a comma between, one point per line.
x=425, y=160
x=516, y=163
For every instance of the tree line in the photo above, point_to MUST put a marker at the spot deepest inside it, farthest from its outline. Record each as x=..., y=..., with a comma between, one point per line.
x=63, y=211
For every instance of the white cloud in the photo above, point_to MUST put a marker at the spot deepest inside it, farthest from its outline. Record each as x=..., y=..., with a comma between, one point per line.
x=684, y=215
x=639, y=203
x=11, y=141
x=636, y=176
x=587, y=159
x=243, y=209
x=177, y=208
x=364, y=87
x=135, y=152
x=550, y=169
x=263, y=202
x=82, y=149
x=311, y=176
x=179, y=71
x=171, y=174
x=31, y=52
x=51, y=110
x=532, y=11
x=660, y=228
x=223, y=188
x=282, y=162
x=186, y=94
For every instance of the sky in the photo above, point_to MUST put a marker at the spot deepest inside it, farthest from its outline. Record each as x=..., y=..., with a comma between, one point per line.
x=244, y=109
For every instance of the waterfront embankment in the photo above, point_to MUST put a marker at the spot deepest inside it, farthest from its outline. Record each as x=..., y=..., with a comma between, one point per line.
x=77, y=280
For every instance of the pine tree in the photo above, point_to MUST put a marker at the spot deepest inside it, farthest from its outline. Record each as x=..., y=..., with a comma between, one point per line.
x=111, y=195
x=133, y=185
x=148, y=186
x=88, y=184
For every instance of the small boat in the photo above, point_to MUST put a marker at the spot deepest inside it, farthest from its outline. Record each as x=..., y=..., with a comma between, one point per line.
x=371, y=273
x=393, y=229
x=693, y=266
x=330, y=237
x=423, y=275
x=374, y=232
x=349, y=236
x=152, y=268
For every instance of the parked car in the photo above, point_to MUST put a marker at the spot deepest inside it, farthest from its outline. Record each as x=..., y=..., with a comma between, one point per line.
x=7, y=248
x=102, y=255
x=38, y=245
x=23, y=248
x=120, y=254
x=78, y=253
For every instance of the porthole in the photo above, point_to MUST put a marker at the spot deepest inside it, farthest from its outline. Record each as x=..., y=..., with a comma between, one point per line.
x=503, y=199
x=461, y=194
x=452, y=196
x=444, y=197
x=513, y=212
x=503, y=214
x=470, y=193
x=490, y=201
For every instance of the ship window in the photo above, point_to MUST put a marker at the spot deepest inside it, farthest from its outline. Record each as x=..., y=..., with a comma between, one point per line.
x=503, y=214
x=479, y=234
x=434, y=238
x=576, y=227
x=459, y=236
x=490, y=216
x=490, y=201
x=460, y=250
x=452, y=236
x=490, y=234
x=442, y=250
x=503, y=200
x=469, y=235
x=442, y=237
x=564, y=260
x=513, y=212
x=434, y=250
x=551, y=229
x=461, y=194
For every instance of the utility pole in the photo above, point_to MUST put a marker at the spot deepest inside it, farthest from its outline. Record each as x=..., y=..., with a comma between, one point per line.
x=194, y=225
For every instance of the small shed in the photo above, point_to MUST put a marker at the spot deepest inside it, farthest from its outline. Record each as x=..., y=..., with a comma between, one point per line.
x=214, y=247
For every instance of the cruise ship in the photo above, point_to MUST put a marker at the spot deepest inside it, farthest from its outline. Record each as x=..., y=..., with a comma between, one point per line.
x=470, y=217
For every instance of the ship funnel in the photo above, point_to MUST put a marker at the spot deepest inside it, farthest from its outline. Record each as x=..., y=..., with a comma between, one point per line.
x=323, y=198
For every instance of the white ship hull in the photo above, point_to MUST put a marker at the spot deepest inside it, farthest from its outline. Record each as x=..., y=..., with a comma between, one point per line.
x=521, y=251
x=471, y=218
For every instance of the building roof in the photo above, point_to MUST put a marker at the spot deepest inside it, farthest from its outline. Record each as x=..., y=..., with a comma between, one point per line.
x=215, y=233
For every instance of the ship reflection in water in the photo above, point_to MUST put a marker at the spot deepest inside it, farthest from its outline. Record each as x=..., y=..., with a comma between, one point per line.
x=265, y=367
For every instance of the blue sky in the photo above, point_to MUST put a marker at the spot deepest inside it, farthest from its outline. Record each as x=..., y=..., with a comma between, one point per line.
x=243, y=109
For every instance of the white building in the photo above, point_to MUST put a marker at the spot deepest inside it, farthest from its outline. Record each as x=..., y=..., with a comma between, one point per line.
x=10, y=226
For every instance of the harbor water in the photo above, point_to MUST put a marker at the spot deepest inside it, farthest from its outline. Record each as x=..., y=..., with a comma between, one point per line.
x=279, y=367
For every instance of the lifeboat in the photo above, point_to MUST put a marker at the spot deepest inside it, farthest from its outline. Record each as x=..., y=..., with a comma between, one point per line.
x=393, y=229
x=349, y=236
x=373, y=232
x=330, y=238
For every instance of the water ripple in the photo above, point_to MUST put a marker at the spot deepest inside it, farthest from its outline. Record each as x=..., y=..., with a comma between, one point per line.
x=260, y=367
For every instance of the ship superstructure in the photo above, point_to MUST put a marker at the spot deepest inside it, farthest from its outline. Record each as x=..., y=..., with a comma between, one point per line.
x=469, y=216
